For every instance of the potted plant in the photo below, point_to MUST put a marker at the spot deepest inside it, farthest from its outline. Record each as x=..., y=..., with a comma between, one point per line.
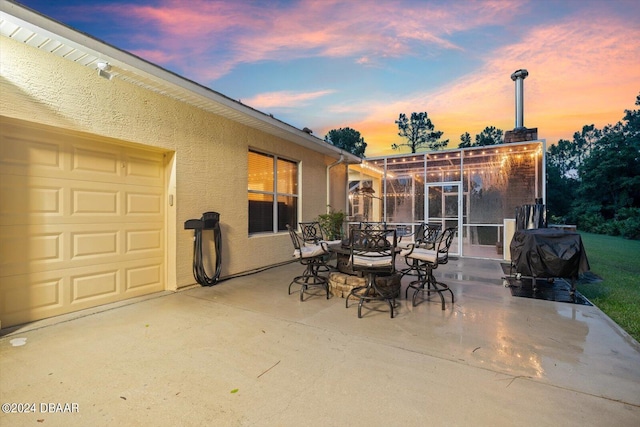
x=331, y=224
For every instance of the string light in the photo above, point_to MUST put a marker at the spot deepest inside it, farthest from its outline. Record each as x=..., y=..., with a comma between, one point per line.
x=491, y=167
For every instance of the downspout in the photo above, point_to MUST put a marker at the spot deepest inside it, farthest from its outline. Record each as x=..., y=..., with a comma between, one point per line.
x=336, y=163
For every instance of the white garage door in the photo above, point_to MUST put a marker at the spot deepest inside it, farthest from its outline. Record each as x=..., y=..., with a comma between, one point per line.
x=81, y=222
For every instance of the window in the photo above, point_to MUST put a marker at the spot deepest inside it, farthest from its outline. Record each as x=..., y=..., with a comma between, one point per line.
x=273, y=193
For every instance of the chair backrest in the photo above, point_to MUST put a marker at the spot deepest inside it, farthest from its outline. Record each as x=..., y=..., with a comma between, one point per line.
x=373, y=250
x=443, y=244
x=295, y=238
x=429, y=235
x=311, y=232
x=404, y=230
x=373, y=225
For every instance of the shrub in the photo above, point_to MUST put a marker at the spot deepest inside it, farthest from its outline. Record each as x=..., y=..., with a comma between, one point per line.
x=628, y=220
x=331, y=224
x=591, y=220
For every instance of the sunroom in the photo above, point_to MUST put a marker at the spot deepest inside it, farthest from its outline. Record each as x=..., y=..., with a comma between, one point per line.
x=475, y=189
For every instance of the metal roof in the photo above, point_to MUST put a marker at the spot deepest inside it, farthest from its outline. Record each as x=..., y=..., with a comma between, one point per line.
x=34, y=29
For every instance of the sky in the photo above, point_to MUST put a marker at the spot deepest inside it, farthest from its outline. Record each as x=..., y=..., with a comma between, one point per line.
x=329, y=64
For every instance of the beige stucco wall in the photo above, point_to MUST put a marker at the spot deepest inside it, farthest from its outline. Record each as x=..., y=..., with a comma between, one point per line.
x=210, y=151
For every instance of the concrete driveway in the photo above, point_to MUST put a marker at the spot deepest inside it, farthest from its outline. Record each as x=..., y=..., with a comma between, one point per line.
x=245, y=353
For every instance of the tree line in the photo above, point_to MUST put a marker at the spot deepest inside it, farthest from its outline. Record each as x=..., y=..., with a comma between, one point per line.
x=419, y=133
x=593, y=180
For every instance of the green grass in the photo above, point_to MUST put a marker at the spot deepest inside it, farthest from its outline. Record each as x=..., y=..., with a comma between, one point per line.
x=617, y=262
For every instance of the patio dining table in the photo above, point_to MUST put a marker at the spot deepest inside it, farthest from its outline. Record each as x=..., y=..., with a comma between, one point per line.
x=343, y=258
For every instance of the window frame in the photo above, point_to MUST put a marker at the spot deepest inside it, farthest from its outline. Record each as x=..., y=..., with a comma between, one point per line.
x=275, y=193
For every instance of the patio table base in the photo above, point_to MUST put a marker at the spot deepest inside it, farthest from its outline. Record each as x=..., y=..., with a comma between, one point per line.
x=341, y=284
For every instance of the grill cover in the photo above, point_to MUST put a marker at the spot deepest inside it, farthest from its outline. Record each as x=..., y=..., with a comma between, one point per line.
x=548, y=252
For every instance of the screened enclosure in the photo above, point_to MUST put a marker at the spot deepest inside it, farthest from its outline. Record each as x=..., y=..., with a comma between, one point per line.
x=474, y=189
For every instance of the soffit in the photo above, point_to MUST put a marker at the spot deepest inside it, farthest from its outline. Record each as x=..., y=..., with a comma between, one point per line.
x=31, y=28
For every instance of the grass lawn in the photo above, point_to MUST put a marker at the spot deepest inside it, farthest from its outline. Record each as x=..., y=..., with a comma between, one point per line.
x=617, y=262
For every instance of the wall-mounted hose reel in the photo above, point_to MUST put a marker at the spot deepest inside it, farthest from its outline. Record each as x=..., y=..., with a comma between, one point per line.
x=209, y=221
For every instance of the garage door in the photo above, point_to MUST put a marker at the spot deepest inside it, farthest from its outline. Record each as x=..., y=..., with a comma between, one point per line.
x=81, y=222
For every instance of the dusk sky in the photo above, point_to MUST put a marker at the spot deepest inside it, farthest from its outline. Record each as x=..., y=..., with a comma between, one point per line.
x=327, y=64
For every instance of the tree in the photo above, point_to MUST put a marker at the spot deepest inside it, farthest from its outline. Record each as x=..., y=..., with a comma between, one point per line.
x=608, y=197
x=632, y=119
x=465, y=140
x=562, y=181
x=610, y=173
x=348, y=139
x=489, y=136
x=608, y=165
x=584, y=142
x=561, y=191
x=561, y=156
x=419, y=132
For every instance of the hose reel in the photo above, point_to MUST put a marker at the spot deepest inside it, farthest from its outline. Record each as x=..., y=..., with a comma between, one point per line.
x=208, y=221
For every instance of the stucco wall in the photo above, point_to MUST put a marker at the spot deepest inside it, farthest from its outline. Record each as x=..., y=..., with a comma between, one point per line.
x=210, y=151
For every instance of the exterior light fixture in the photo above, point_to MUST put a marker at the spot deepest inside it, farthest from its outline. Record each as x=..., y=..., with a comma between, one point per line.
x=103, y=70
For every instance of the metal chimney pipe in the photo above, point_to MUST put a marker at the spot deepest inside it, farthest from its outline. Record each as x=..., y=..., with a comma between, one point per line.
x=518, y=76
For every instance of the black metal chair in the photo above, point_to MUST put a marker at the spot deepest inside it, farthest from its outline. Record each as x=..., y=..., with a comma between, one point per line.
x=428, y=259
x=373, y=225
x=312, y=234
x=425, y=236
x=373, y=252
x=312, y=256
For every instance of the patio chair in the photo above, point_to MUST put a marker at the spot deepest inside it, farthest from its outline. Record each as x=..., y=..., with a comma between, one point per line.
x=373, y=252
x=311, y=232
x=425, y=236
x=312, y=235
x=376, y=225
x=312, y=256
x=426, y=260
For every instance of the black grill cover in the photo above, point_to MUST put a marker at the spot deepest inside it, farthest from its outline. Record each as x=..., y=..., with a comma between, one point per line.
x=548, y=252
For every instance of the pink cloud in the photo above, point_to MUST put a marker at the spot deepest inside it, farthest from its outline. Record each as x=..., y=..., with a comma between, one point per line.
x=195, y=32
x=188, y=19
x=156, y=56
x=284, y=99
x=581, y=71
x=362, y=28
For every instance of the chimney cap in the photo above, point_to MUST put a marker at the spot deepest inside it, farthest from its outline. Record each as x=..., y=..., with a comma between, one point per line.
x=521, y=73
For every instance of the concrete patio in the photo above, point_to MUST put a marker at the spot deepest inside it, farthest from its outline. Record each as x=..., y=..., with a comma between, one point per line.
x=244, y=353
